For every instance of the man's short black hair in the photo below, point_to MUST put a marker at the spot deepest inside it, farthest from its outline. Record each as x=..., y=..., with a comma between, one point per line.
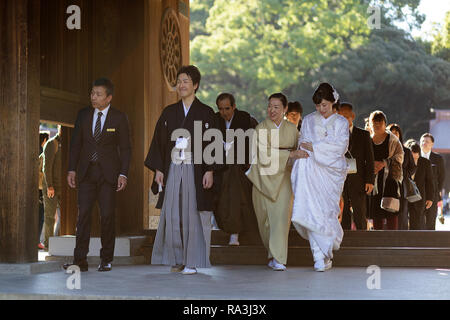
x=224, y=96
x=193, y=73
x=43, y=135
x=105, y=83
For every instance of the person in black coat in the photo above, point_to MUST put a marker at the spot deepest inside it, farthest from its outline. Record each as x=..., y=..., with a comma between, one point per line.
x=438, y=168
x=100, y=154
x=234, y=210
x=184, y=177
x=358, y=185
x=409, y=168
x=423, y=177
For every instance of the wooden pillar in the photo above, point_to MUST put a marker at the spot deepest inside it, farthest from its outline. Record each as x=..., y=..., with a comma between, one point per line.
x=19, y=130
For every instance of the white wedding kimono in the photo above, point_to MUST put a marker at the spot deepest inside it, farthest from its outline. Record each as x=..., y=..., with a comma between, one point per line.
x=318, y=181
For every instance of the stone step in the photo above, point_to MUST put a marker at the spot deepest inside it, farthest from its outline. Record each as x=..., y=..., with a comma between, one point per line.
x=345, y=257
x=427, y=239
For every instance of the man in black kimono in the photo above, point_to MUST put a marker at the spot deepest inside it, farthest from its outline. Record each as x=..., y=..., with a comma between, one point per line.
x=234, y=206
x=183, y=179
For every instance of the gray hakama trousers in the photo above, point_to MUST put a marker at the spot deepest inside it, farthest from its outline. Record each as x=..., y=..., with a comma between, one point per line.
x=184, y=233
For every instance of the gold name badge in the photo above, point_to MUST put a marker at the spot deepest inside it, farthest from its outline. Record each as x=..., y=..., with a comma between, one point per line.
x=111, y=130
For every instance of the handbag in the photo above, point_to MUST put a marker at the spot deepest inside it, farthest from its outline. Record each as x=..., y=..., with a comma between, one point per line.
x=351, y=164
x=391, y=202
x=412, y=191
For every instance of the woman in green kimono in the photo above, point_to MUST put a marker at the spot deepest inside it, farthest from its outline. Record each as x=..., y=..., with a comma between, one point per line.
x=274, y=149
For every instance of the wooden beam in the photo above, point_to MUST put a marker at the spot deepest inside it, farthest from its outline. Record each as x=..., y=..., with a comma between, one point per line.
x=19, y=142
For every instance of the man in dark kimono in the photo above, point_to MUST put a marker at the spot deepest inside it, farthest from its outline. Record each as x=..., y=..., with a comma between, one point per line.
x=183, y=179
x=234, y=207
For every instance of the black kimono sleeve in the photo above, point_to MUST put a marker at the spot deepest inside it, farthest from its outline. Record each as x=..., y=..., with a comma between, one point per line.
x=156, y=154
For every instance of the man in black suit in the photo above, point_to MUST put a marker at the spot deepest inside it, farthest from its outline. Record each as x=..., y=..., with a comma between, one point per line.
x=359, y=184
x=100, y=154
x=423, y=177
x=437, y=166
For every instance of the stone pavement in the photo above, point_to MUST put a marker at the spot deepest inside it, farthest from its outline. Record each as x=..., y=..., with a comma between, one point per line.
x=232, y=282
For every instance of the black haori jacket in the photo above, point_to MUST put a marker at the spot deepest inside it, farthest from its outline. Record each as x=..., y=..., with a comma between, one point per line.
x=159, y=156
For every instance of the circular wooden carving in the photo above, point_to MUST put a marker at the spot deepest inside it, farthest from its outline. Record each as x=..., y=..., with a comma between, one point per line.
x=170, y=47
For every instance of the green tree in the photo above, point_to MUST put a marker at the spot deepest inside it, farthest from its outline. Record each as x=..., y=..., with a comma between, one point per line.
x=393, y=73
x=441, y=44
x=254, y=48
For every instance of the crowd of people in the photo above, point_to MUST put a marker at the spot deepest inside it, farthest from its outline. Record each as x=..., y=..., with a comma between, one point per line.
x=319, y=172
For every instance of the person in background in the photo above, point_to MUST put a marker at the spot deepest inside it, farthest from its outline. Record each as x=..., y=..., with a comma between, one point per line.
x=423, y=177
x=360, y=184
x=367, y=125
x=233, y=210
x=388, y=154
x=43, y=138
x=51, y=183
x=409, y=168
x=437, y=165
x=294, y=113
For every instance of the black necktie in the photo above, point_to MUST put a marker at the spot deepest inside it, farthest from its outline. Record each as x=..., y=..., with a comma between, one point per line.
x=97, y=133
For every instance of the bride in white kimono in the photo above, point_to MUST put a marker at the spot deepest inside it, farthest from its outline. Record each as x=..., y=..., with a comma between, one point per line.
x=318, y=181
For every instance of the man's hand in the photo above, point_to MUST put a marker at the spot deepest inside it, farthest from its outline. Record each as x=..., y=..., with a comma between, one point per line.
x=121, y=183
x=50, y=192
x=369, y=188
x=159, y=178
x=71, y=179
x=208, y=180
x=428, y=204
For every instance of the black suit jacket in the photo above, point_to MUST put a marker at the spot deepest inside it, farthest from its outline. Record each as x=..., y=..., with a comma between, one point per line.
x=159, y=156
x=437, y=164
x=424, y=180
x=361, y=149
x=241, y=120
x=113, y=147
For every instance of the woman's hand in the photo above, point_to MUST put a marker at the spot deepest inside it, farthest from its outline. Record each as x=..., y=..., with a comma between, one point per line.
x=379, y=165
x=298, y=154
x=307, y=146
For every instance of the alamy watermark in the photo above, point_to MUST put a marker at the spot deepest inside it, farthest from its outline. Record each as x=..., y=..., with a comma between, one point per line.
x=237, y=147
x=73, y=22
x=374, y=281
x=74, y=281
x=374, y=20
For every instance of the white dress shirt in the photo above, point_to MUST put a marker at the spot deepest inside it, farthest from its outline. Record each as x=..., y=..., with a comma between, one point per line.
x=425, y=155
x=102, y=119
x=228, y=123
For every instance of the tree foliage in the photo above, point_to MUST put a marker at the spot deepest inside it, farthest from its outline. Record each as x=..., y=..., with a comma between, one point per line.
x=253, y=48
x=441, y=44
x=391, y=73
